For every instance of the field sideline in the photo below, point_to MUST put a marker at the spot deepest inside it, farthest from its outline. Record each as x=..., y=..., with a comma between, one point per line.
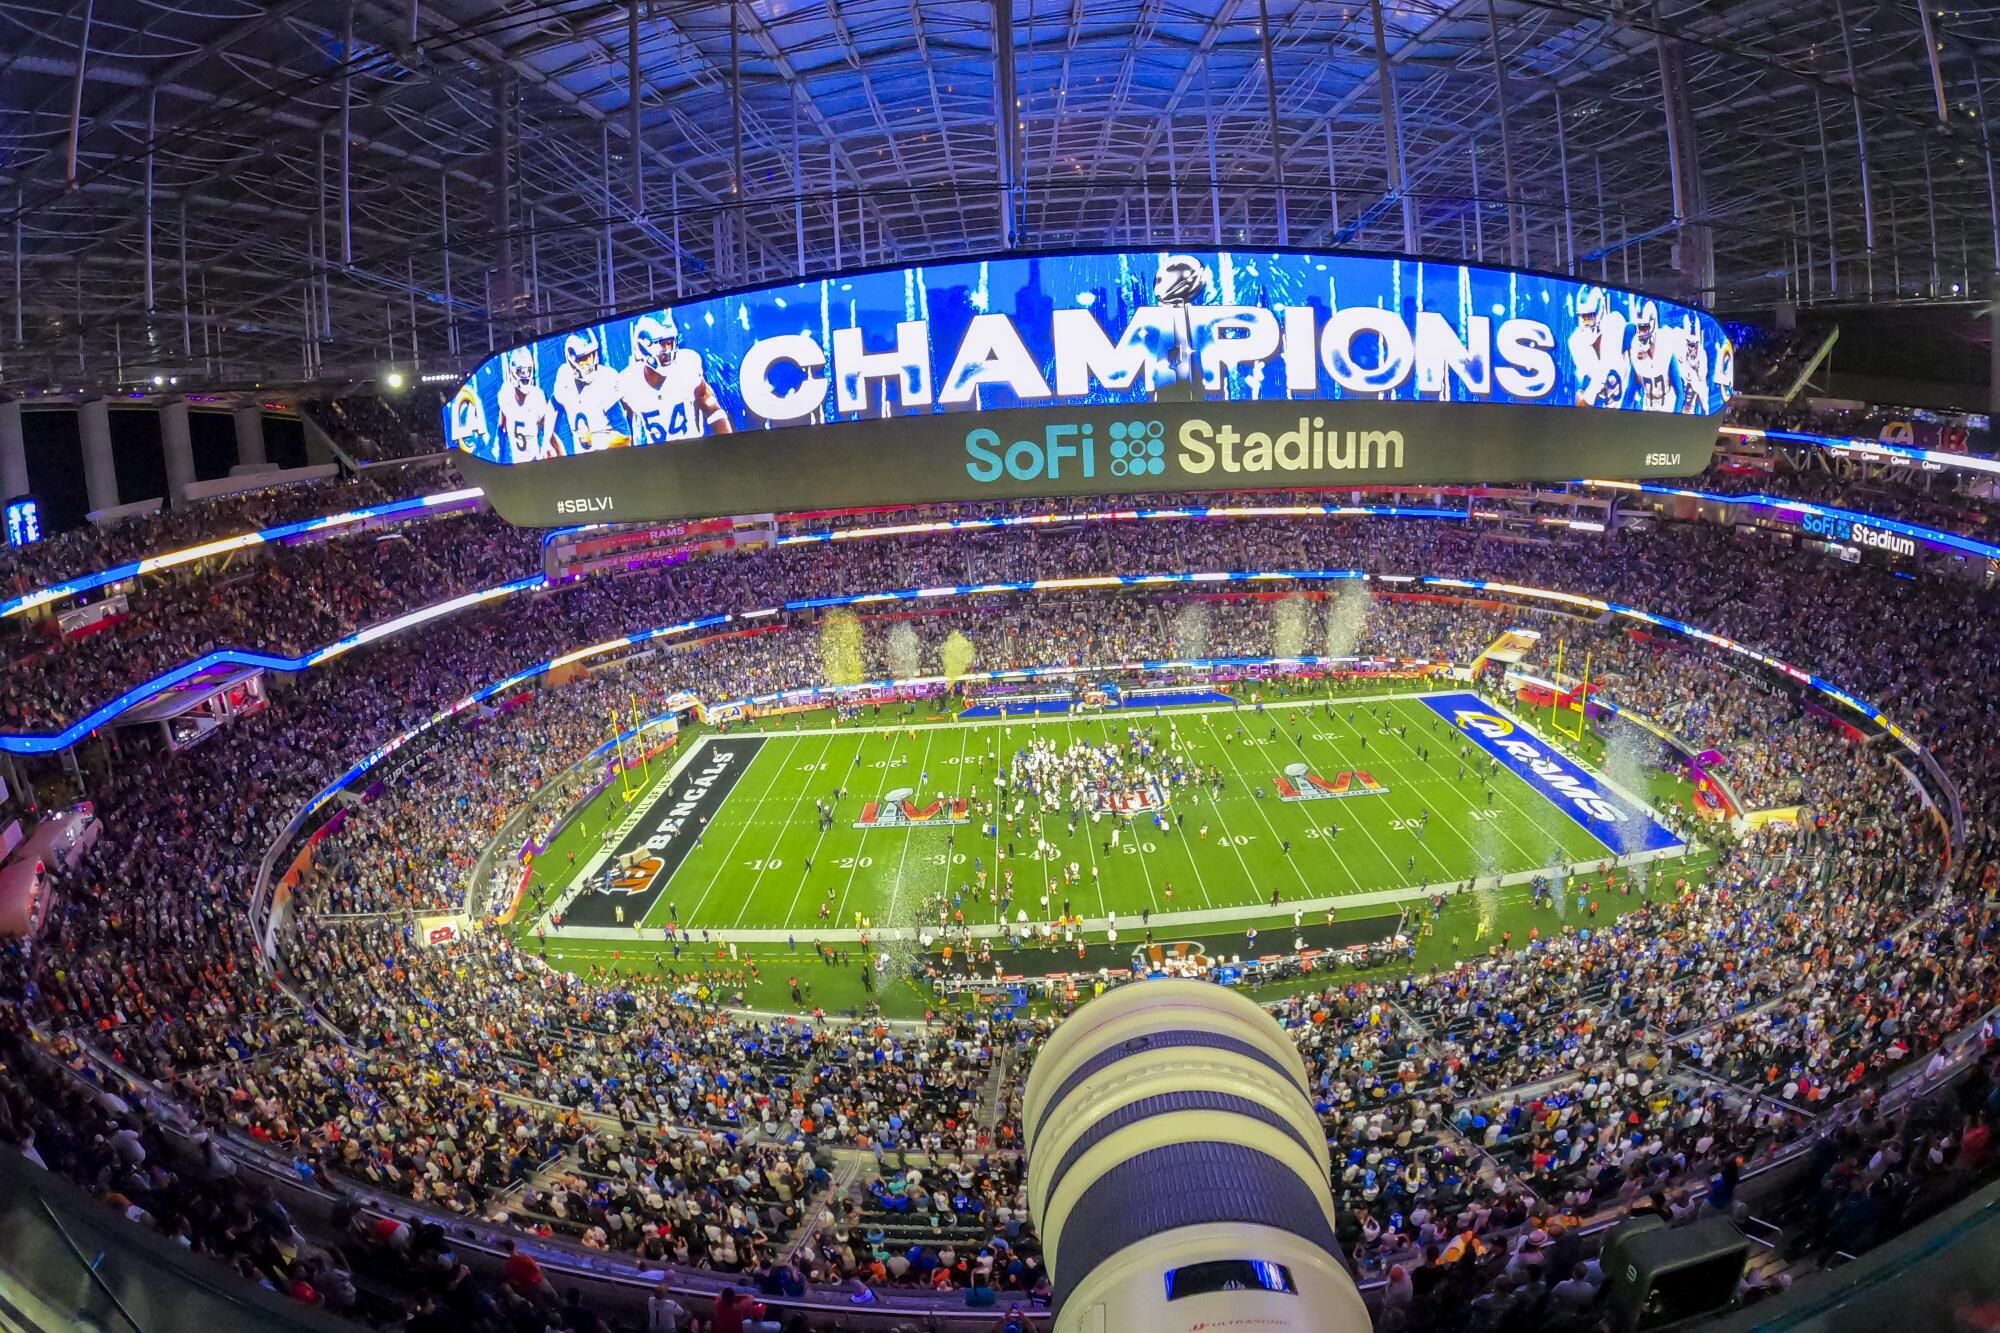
x=740, y=850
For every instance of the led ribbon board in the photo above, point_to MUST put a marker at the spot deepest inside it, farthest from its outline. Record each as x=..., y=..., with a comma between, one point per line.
x=1856, y=526
x=152, y=564
x=1091, y=373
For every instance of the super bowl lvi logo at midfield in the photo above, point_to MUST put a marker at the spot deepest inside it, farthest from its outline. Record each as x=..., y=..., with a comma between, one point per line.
x=901, y=809
x=1300, y=783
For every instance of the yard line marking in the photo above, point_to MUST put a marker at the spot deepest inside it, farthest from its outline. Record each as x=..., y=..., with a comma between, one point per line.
x=791, y=815
x=838, y=772
x=1458, y=799
x=841, y=902
x=1360, y=821
x=1248, y=877
x=910, y=836
x=1506, y=795
x=728, y=856
x=1132, y=825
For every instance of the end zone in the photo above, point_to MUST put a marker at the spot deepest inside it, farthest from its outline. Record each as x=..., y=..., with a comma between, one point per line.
x=1622, y=822
x=658, y=835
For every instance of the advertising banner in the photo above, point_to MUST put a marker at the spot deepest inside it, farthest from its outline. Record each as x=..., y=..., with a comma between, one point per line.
x=1886, y=535
x=1091, y=373
x=433, y=931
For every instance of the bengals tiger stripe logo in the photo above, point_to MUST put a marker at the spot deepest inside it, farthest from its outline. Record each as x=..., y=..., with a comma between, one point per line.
x=635, y=878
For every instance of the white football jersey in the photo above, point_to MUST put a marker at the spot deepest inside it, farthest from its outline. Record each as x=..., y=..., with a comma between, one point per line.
x=1694, y=361
x=587, y=407
x=1602, y=373
x=528, y=423
x=666, y=411
x=1653, y=370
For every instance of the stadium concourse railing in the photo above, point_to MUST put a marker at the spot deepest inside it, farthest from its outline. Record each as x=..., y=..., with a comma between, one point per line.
x=1874, y=451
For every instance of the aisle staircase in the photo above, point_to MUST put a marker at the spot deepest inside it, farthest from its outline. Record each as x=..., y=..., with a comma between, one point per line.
x=993, y=1097
x=847, y=1169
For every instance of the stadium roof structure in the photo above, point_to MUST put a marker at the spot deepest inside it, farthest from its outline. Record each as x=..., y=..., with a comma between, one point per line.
x=276, y=189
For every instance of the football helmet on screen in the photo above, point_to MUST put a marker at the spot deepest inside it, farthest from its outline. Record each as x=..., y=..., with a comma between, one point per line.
x=583, y=353
x=1590, y=306
x=521, y=365
x=1647, y=320
x=655, y=339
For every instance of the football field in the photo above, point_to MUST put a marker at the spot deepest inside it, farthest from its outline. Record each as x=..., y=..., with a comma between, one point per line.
x=1209, y=813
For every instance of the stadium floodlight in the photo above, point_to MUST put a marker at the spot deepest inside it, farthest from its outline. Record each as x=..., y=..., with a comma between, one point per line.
x=1178, y=1173
x=394, y=379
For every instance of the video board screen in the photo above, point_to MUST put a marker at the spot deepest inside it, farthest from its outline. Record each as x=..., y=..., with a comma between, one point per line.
x=1088, y=372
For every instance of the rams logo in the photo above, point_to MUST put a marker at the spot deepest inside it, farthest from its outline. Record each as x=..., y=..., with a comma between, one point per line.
x=1490, y=725
x=636, y=877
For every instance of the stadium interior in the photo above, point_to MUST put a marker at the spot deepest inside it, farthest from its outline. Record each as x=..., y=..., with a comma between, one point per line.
x=931, y=667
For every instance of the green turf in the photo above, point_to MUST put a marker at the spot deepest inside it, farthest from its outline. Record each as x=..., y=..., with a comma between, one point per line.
x=750, y=873
x=760, y=977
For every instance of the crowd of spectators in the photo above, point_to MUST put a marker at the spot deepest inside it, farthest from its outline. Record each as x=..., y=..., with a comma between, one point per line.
x=289, y=600
x=91, y=547
x=374, y=427
x=1628, y=1067
x=309, y=595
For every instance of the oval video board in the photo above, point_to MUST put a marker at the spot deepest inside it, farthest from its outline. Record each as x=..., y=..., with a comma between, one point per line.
x=1092, y=373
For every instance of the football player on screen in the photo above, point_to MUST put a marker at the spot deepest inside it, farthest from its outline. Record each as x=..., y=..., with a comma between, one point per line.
x=1694, y=367
x=1658, y=362
x=1725, y=370
x=527, y=421
x=587, y=396
x=1597, y=350
x=664, y=389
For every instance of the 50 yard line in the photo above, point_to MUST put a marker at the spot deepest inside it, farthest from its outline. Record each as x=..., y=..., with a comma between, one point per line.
x=909, y=836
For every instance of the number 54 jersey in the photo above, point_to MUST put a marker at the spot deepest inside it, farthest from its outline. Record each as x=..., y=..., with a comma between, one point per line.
x=662, y=401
